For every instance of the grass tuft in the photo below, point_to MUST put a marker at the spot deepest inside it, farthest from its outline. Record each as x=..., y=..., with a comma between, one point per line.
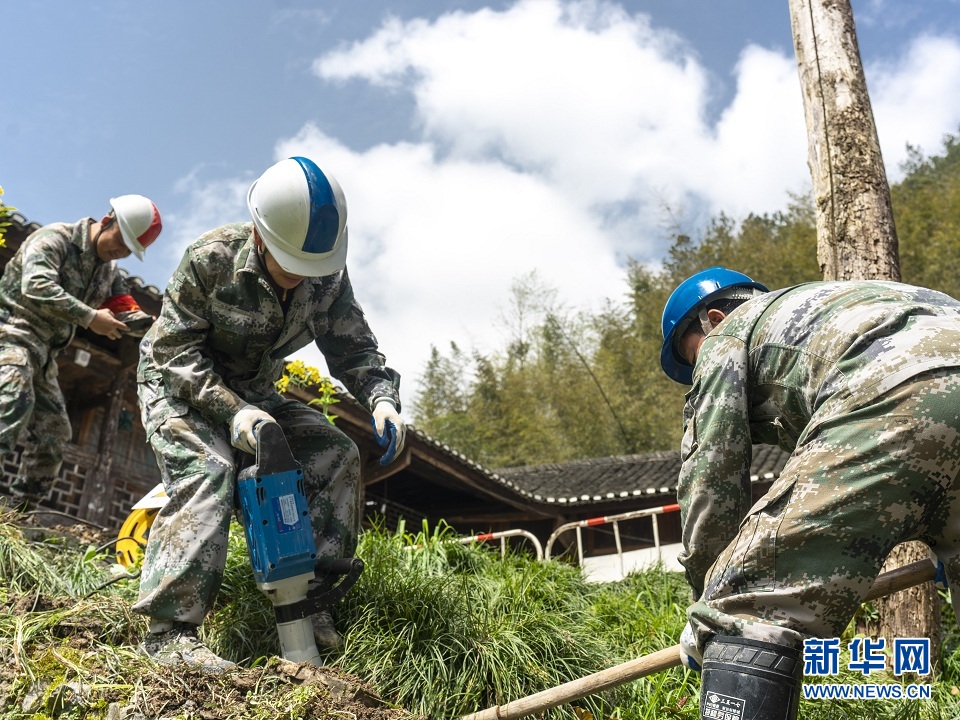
x=440, y=629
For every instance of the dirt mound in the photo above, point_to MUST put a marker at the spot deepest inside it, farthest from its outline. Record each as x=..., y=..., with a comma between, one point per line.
x=280, y=689
x=84, y=664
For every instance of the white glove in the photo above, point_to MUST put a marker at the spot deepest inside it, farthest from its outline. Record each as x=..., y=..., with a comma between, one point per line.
x=245, y=425
x=389, y=429
x=691, y=657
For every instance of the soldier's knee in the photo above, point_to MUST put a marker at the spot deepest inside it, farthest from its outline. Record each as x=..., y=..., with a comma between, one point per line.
x=353, y=454
x=347, y=463
x=338, y=443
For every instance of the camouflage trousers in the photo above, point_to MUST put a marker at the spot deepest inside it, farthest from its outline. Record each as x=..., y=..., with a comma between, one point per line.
x=810, y=549
x=32, y=409
x=187, y=547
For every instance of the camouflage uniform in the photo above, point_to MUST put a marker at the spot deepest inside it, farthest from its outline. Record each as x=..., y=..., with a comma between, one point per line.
x=53, y=283
x=221, y=342
x=860, y=382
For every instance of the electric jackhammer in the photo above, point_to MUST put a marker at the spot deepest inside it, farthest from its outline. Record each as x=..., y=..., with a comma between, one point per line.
x=276, y=521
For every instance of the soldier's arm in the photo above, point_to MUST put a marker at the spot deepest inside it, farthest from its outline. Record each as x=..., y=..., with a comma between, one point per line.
x=352, y=354
x=40, y=281
x=714, y=486
x=179, y=340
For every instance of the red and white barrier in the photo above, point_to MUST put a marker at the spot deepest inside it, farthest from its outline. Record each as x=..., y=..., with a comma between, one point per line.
x=502, y=537
x=614, y=520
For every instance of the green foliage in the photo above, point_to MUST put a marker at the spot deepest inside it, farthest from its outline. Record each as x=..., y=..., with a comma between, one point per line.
x=22, y=567
x=443, y=400
x=430, y=614
x=437, y=627
x=926, y=207
x=569, y=386
x=33, y=565
x=5, y=211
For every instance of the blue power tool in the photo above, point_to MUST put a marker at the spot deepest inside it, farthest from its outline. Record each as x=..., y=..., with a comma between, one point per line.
x=276, y=521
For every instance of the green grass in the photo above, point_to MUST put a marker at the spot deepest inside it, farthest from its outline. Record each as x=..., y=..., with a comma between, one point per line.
x=438, y=628
x=448, y=629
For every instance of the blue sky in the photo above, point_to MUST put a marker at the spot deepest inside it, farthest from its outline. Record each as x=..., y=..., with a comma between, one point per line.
x=475, y=141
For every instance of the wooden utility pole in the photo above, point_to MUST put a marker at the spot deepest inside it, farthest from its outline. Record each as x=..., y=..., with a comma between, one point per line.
x=856, y=236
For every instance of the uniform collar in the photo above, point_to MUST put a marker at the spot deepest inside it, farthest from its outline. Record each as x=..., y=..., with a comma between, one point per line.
x=81, y=234
x=248, y=261
x=81, y=238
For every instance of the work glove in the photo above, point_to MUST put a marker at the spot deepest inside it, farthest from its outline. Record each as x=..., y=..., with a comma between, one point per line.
x=389, y=429
x=940, y=580
x=691, y=657
x=245, y=425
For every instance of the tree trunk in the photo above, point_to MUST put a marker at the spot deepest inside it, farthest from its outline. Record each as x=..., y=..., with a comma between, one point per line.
x=914, y=612
x=856, y=236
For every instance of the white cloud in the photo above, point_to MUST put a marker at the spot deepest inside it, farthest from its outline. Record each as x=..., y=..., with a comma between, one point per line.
x=435, y=245
x=597, y=103
x=758, y=151
x=581, y=94
x=211, y=203
x=916, y=98
x=550, y=136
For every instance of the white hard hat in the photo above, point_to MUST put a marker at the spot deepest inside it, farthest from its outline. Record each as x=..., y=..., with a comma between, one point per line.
x=139, y=221
x=301, y=214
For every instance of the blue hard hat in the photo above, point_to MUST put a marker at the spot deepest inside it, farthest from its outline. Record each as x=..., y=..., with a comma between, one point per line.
x=683, y=303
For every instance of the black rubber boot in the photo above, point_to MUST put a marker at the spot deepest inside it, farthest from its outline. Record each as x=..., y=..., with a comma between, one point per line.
x=750, y=680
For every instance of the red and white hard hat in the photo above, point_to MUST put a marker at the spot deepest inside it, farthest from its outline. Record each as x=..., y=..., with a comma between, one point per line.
x=139, y=221
x=301, y=215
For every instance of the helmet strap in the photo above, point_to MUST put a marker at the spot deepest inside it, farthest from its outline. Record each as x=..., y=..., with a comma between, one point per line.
x=261, y=249
x=95, y=240
x=705, y=321
x=106, y=222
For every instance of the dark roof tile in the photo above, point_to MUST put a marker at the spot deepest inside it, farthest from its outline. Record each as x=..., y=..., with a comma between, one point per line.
x=619, y=478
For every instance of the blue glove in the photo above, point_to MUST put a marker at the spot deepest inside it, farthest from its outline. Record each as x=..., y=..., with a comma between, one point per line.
x=941, y=578
x=389, y=429
x=689, y=655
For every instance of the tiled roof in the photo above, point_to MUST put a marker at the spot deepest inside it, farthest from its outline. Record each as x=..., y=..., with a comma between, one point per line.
x=138, y=285
x=601, y=480
x=611, y=479
x=458, y=456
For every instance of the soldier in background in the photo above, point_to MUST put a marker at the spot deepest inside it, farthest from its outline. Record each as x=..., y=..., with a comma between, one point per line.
x=245, y=297
x=860, y=382
x=58, y=279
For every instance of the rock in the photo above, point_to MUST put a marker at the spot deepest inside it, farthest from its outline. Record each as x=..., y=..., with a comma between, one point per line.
x=66, y=698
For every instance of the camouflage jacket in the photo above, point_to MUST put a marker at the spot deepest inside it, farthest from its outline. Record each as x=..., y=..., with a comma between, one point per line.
x=53, y=283
x=222, y=337
x=776, y=369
